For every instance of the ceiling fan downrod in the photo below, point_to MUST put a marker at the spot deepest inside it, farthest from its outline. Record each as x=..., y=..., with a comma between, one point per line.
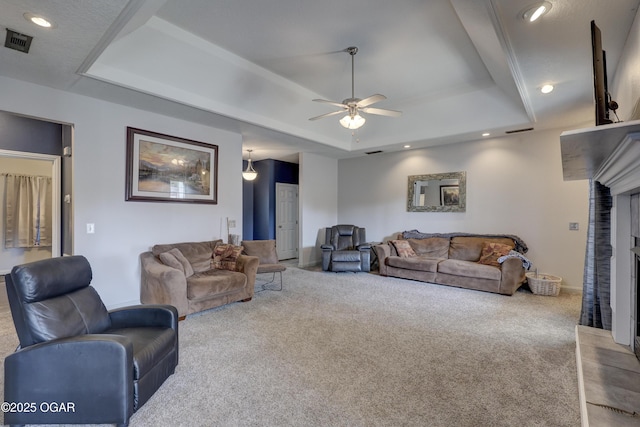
x=352, y=50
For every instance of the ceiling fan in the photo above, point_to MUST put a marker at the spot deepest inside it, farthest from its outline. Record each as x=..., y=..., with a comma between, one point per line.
x=354, y=106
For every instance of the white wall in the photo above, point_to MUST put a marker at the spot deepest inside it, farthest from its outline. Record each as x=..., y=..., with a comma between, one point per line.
x=514, y=186
x=14, y=256
x=625, y=86
x=318, y=204
x=125, y=229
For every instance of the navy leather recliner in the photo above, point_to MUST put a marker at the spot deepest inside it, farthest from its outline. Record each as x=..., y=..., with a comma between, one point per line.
x=94, y=366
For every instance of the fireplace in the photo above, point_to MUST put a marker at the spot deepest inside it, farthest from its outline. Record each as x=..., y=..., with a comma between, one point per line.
x=610, y=155
x=636, y=315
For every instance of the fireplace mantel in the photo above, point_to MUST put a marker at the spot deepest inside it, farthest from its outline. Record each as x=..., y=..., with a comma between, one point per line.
x=590, y=152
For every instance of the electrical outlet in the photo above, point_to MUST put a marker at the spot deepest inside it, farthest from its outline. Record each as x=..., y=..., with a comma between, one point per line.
x=232, y=223
x=91, y=228
x=574, y=226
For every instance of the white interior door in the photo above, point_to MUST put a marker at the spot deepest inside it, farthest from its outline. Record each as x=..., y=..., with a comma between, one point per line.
x=287, y=220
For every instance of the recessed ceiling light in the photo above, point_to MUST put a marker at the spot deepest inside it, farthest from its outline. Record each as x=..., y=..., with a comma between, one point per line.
x=546, y=89
x=39, y=20
x=407, y=146
x=486, y=134
x=533, y=13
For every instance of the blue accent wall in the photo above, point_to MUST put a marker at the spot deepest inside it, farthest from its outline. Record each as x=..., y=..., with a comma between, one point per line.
x=259, y=209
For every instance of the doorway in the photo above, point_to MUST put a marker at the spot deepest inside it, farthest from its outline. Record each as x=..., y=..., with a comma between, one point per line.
x=287, y=220
x=34, y=164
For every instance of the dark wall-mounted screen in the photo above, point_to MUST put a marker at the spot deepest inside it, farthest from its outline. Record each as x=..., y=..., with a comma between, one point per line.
x=600, y=90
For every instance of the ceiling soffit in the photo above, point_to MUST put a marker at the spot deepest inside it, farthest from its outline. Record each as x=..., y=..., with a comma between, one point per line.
x=162, y=59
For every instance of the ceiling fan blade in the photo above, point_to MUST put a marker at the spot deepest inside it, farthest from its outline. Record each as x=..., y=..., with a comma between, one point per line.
x=381, y=112
x=371, y=100
x=337, y=104
x=322, y=116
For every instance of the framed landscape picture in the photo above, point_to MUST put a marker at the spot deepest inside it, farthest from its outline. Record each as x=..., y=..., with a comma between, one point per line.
x=163, y=168
x=449, y=195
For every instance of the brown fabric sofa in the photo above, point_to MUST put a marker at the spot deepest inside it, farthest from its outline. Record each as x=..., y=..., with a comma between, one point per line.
x=453, y=260
x=200, y=289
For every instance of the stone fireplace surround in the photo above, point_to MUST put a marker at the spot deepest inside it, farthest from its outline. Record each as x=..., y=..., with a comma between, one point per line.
x=608, y=370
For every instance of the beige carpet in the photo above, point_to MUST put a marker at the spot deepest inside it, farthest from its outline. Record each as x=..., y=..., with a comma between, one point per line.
x=363, y=350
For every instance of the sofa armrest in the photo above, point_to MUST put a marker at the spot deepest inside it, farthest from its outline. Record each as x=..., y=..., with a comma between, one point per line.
x=249, y=266
x=383, y=251
x=94, y=373
x=165, y=316
x=161, y=284
x=513, y=275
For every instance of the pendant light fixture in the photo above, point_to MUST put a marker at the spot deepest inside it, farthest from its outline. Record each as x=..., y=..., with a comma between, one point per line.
x=250, y=173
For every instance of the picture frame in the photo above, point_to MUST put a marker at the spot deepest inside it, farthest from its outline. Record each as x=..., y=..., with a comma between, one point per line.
x=164, y=168
x=449, y=195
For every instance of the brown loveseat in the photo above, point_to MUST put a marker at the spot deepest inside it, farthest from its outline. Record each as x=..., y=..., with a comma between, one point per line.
x=191, y=283
x=456, y=259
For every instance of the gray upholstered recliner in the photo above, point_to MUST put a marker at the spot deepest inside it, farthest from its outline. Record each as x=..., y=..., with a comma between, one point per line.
x=101, y=366
x=346, y=249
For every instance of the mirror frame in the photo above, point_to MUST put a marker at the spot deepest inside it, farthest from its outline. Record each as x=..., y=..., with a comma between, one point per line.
x=462, y=183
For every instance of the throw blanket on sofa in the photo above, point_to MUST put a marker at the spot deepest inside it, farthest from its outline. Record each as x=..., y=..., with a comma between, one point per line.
x=513, y=254
x=521, y=246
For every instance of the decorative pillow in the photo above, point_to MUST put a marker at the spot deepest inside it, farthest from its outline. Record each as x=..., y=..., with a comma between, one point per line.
x=225, y=256
x=403, y=248
x=174, y=258
x=491, y=251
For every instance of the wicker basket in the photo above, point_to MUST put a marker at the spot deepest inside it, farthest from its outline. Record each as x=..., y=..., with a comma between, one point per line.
x=544, y=284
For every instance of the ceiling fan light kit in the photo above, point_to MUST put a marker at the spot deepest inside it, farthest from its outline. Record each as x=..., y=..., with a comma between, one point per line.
x=352, y=107
x=352, y=122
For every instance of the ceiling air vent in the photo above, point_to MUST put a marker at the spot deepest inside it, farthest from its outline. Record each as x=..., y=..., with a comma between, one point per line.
x=373, y=152
x=17, y=41
x=518, y=130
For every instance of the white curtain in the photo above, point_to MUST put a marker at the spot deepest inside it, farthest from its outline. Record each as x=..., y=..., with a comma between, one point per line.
x=27, y=211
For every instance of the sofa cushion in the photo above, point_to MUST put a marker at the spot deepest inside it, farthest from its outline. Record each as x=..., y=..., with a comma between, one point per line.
x=214, y=282
x=469, y=248
x=491, y=251
x=434, y=247
x=197, y=253
x=418, y=263
x=403, y=248
x=225, y=256
x=175, y=259
x=458, y=267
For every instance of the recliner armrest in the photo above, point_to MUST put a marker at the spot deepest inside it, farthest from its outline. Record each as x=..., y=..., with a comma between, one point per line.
x=161, y=315
x=327, y=247
x=93, y=373
x=364, y=247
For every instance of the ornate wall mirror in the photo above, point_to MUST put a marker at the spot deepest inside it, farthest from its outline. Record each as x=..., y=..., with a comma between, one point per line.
x=439, y=192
